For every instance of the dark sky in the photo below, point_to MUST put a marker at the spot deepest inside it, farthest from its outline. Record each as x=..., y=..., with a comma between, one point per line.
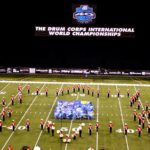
x=25, y=49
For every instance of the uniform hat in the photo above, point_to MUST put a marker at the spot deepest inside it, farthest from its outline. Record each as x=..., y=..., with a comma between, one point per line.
x=149, y=123
x=0, y=120
x=125, y=124
x=110, y=121
x=139, y=125
x=134, y=109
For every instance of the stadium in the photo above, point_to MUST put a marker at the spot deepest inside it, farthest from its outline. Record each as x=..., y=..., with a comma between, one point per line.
x=75, y=75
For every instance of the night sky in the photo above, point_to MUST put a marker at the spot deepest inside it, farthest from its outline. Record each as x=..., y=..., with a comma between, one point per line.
x=19, y=46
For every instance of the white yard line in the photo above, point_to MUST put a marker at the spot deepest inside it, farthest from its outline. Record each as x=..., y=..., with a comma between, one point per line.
x=21, y=119
x=71, y=124
x=4, y=87
x=142, y=105
x=97, y=120
x=75, y=83
x=48, y=117
x=126, y=139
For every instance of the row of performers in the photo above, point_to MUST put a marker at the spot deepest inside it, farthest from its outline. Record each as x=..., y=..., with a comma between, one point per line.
x=75, y=88
x=51, y=127
x=20, y=99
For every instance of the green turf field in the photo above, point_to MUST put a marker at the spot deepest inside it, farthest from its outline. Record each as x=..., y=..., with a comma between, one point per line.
x=113, y=109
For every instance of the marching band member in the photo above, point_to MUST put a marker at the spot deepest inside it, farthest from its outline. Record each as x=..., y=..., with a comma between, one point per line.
x=110, y=126
x=126, y=128
x=42, y=124
x=108, y=93
x=57, y=92
x=149, y=127
x=28, y=125
x=3, y=101
x=149, y=113
x=135, y=115
x=53, y=129
x=10, y=112
x=74, y=135
x=80, y=131
x=1, y=125
x=139, y=105
x=139, y=130
x=143, y=122
x=128, y=93
x=12, y=100
x=68, y=90
x=140, y=118
x=37, y=91
x=97, y=126
x=92, y=92
x=46, y=92
x=90, y=129
x=13, y=125
x=28, y=89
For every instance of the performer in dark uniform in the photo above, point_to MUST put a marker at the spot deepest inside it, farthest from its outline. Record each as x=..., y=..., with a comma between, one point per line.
x=42, y=124
x=90, y=129
x=57, y=91
x=139, y=130
x=149, y=113
x=68, y=90
x=53, y=129
x=143, y=122
x=88, y=90
x=126, y=128
x=46, y=92
x=74, y=89
x=135, y=115
x=28, y=125
x=12, y=100
x=92, y=92
x=97, y=126
x=28, y=89
x=1, y=125
x=78, y=88
x=98, y=94
x=128, y=93
x=149, y=127
x=118, y=93
x=110, y=127
x=13, y=125
x=108, y=93
x=80, y=131
x=37, y=91
x=83, y=89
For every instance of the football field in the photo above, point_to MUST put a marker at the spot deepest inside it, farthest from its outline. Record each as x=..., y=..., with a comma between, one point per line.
x=37, y=107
